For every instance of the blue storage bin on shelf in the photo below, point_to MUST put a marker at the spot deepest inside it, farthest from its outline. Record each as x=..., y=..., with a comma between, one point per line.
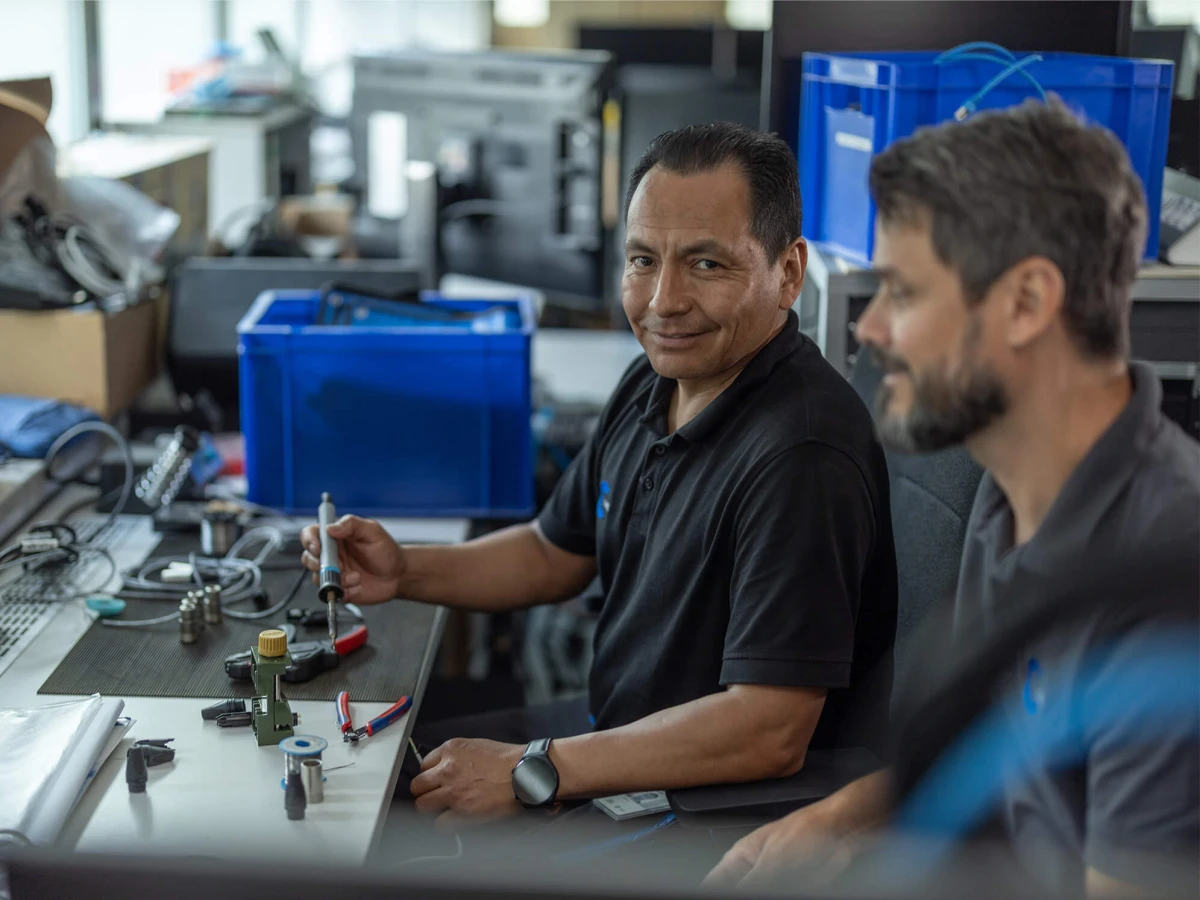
x=393, y=415
x=853, y=105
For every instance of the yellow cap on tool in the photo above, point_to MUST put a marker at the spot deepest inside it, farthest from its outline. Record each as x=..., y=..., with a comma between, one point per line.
x=272, y=642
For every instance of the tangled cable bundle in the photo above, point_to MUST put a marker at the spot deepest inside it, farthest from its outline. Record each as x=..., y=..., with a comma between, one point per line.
x=240, y=579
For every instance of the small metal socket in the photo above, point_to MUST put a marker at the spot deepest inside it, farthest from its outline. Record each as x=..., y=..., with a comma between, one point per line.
x=219, y=531
x=312, y=776
x=213, y=614
x=191, y=621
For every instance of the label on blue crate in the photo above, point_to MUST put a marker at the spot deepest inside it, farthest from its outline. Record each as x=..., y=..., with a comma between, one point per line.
x=853, y=142
x=854, y=70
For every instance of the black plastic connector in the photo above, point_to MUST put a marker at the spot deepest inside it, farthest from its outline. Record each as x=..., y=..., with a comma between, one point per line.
x=135, y=770
x=214, y=712
x=294, y=798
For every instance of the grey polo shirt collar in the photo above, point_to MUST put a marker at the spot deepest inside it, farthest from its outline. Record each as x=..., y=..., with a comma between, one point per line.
x=711, y=417
x=1091, y=489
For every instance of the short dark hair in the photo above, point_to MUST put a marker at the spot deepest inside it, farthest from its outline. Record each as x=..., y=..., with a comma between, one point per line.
x=767, y=162
x=1027, y=181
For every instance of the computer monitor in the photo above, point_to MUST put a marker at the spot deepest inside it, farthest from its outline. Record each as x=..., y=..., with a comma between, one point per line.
x=517, y=140
x=699, y=45
x=1181, y=45
x=211, y=294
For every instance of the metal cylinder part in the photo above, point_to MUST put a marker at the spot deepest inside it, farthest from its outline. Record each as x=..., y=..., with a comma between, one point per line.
x=191, y=622
x=212, y=604
x=312, y=777
x=218, y=532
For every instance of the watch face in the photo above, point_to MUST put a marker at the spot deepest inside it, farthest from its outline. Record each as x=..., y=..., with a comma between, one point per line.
x=535, y=781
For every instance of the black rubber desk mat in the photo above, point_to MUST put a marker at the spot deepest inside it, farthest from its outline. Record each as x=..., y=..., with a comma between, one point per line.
x=151, y=662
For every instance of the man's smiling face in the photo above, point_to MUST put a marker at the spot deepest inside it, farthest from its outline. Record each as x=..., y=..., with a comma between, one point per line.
x=699, y=290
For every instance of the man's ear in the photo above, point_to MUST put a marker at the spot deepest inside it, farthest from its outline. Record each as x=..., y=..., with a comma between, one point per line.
x=1035, y=291
x=795, y=264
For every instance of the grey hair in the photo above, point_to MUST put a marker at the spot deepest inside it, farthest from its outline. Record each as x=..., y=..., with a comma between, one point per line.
x=1011, y=184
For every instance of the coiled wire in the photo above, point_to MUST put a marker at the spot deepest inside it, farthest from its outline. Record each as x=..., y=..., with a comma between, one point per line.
x=240, y=579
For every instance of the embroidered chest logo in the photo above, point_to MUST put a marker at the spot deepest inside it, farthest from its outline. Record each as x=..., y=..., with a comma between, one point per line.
x=605, y=501
x=1034, y=694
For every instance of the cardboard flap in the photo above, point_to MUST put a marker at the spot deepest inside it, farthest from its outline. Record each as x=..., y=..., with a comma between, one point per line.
x=24, y=108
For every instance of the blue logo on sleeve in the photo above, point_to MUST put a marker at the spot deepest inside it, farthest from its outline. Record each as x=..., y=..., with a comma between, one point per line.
x=605, y=500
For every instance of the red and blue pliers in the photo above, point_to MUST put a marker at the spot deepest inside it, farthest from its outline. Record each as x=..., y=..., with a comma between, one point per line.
x=352, y=735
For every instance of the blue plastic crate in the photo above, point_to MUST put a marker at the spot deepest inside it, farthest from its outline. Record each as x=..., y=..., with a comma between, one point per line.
x=853, y=105
x=392, y=415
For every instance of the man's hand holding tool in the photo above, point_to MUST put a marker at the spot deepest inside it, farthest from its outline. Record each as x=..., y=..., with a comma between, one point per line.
x=371, y=562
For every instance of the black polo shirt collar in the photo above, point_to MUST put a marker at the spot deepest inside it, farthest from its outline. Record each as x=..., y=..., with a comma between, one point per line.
x=1094, y=485
x=759, y=368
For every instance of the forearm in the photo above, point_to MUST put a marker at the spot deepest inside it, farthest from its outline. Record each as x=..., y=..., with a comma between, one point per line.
x=514, y=568
x=743, y=734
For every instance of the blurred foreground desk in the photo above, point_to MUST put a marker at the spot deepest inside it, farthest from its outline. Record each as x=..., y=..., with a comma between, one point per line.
x=221, y=796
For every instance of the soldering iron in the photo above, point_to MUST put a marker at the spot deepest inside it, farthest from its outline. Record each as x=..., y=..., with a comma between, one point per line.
x=329, y=582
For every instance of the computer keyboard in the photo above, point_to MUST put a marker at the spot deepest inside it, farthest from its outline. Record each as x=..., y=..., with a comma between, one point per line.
x=33, y=598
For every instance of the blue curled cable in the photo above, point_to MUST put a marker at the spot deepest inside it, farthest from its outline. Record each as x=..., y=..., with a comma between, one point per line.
x=971, y=46
x=969, y=107
x=995, y=54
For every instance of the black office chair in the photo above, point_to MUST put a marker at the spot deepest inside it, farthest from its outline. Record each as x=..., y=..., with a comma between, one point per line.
x=931, y=497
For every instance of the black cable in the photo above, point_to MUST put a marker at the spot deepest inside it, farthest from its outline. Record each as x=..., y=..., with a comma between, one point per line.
x=90, y=501
x=72, y=535
x=278, y=607
x=117, y=438
x=91, y=591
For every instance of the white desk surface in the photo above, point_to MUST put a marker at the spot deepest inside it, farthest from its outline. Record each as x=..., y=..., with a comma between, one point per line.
x=221, y=795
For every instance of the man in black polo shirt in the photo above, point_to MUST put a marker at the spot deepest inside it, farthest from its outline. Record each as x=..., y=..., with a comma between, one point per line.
x=733, y=499
x=1007, y=248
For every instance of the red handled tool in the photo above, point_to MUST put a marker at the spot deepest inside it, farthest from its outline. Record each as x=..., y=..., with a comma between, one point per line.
x=352, y=735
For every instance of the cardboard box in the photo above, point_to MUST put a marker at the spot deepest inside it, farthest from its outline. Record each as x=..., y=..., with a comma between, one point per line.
x=82, y=356
x=321, y=222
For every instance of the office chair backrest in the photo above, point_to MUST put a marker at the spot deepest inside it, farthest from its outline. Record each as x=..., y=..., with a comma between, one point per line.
x=931, y=502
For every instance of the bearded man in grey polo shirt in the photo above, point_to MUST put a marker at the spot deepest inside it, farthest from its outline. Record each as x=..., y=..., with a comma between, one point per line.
x=1007, y=248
